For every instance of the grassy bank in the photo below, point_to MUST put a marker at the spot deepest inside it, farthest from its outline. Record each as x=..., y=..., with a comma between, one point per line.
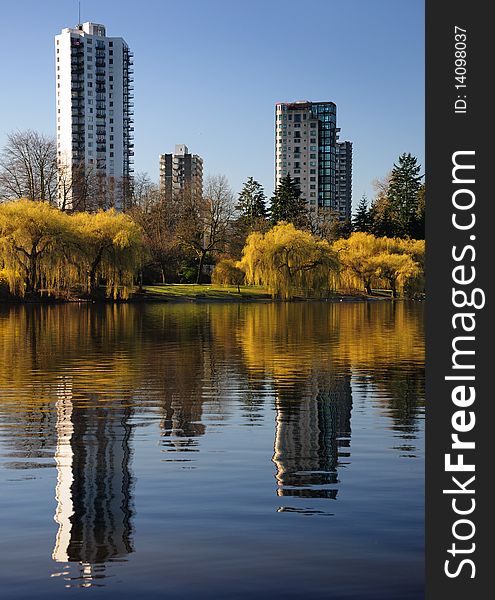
x=188, y=292
x=192, y=292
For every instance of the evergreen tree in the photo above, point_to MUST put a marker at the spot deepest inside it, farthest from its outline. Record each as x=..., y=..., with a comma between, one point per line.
x=419, y=218
x=251, y=203
x=382, y=223
x=361, y=220
x=403, y=192
x=287, y=205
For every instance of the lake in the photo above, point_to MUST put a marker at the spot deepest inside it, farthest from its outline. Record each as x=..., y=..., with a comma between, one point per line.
x=223, y=451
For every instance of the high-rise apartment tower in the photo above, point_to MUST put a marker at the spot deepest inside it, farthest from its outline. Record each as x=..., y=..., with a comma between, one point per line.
x=181, y=170
x=306, y=144
x=94, y=115
x=343, y=180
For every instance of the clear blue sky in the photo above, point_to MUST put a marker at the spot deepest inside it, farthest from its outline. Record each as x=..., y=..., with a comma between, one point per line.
x=209, y=72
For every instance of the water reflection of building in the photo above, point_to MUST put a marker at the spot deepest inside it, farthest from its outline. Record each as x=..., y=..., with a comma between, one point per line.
x=312, y=428
x=94, y=483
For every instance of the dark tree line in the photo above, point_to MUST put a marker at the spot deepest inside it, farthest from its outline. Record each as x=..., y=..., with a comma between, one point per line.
x=398, y=209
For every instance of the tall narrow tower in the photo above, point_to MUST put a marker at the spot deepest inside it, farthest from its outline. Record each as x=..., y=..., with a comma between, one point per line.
x=94, y=118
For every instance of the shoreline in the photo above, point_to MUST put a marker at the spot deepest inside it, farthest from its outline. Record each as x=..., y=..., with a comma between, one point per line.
x=199, y=300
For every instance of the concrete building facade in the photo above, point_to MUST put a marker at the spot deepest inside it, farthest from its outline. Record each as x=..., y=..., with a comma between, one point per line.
x=343, y=180
x=94, y=113
x=179, y=171
x=306, y=136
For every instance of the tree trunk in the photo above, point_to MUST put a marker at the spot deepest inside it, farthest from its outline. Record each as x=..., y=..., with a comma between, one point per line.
x=200, y=267
x=32, y=273
x=92, y=275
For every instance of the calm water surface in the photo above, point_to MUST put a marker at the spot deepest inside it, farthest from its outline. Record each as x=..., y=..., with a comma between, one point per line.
x=215, y=451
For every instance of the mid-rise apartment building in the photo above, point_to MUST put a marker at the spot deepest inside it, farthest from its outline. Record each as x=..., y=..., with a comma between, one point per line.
x=94, y=114
x=179, y=171
x=343, y=180
x=306, y=136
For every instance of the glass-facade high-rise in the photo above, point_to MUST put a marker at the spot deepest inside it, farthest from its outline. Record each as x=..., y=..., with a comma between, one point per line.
x=305, y=148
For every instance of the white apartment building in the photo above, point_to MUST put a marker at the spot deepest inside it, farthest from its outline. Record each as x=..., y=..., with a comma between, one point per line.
x=181, y=170
x=94, y=114
x=306, y=148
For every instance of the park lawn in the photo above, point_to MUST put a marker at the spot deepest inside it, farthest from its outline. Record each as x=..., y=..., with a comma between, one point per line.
x=191, y=291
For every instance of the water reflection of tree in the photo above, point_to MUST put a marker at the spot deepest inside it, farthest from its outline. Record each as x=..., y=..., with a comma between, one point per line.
x=381, y=343
x=39, y=345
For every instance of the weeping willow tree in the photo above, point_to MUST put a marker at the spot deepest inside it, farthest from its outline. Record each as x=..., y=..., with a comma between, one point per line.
x=396, y=269
x=289, y=261
x=368, y=261
x=45, y=250
x=228, y=272
x=34, y=240
x=355, y=255
x=110, y=248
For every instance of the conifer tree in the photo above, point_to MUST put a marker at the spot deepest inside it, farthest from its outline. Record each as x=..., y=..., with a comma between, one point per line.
x=251, y=202
x=361, y=220
x=403, y=193
x=287, y=205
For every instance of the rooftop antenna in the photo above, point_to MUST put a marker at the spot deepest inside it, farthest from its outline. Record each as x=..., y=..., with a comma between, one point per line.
x=79, y=12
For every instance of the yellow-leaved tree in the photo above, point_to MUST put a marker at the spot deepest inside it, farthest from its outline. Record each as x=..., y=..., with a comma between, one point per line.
x=369, y=261
x=34, y=240
x=395, y=269
x=228, y=272
x=289, y=261
x=355, y=254
x=110, y=244
x=45, y=250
